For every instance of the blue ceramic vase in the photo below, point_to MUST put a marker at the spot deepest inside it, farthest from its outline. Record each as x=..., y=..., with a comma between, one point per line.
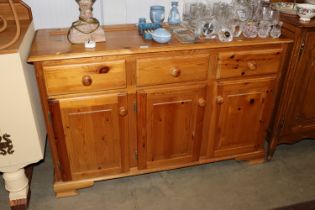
x=174, y=17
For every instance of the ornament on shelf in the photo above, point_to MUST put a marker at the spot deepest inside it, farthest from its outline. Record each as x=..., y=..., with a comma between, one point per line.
x=87, y=27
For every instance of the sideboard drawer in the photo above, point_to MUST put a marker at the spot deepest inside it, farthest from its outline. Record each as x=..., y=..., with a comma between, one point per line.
x=74, y=78
x=172, y=69
x=249, y=62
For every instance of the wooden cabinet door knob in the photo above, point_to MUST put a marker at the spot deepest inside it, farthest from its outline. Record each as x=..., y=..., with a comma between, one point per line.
x=252, y=65
x=87, y=80
x=104, y=70
x=175, y=72
x=123, y=111
x=202, y=102
x=220, y=100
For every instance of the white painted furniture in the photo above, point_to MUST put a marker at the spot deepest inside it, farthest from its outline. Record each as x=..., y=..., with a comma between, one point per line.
x=22, y=128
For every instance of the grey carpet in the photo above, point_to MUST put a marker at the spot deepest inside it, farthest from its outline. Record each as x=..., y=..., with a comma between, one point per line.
x=228, y=185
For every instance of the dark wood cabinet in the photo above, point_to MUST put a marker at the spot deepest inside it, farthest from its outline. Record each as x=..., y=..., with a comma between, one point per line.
x=295, y=111
x=304, y=110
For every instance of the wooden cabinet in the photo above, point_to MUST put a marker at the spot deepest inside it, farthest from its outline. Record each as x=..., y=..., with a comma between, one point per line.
x=304, y=110
x=92, y=134
x=295, y=111
x=170, y=126
x=122, y=110
x=243, y=109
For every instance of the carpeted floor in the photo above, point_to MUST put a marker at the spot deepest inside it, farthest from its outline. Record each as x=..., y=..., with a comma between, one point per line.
x=227, y=185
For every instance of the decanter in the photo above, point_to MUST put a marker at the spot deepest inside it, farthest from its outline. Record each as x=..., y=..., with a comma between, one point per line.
x=174, y=17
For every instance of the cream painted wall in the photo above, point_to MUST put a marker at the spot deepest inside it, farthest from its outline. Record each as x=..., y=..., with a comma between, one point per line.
x=61, y=13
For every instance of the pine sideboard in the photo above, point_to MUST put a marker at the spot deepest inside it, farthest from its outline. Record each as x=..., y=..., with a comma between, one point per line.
x=132, y=106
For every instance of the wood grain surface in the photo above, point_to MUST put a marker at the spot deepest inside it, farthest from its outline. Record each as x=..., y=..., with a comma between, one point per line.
x=52, y=44
x=178, y=104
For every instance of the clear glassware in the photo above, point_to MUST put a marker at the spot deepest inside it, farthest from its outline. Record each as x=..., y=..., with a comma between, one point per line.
x=225, y=33
x=195, y=13
x=174, y=17
x=209, y=10
x=255, y=6
x=210, y=28
x=236, y=27
x=186, y=11
x=242, y=10
x=275, y=17
x=276, y=30
x=264, y=29
x=197, y=27
x=216, y=8
x=250, y=29
x=266, y=13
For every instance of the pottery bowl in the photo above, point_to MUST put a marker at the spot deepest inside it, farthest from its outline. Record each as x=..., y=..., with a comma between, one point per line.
x=161, y=35
x=305, y=11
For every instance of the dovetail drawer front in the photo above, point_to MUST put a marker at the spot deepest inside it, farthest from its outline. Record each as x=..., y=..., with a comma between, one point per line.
x=251, y=62
x=76, y=78
x=172, y=69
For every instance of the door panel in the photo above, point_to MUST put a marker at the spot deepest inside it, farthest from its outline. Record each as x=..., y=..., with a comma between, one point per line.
x=95, y=134
x=242, y=114
x=303, y=116
x=169, y=124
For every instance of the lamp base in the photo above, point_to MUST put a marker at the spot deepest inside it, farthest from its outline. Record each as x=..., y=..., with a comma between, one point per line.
x=77, y=37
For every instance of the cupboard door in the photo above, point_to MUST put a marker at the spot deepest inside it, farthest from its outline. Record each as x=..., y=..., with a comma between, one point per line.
x=170, y=126
x=303, y=116
x=94, y=132
x=242, y=113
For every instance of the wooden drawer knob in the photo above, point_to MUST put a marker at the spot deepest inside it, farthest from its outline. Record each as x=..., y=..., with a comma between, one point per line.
x=175, y=72
x=252, y=65
x=104, y=70
x=220, y=100
x=123, y=111
x=87, y=80
x=202, y=102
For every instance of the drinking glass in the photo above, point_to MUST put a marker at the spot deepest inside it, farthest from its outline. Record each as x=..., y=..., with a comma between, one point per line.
x=197, y=27
x=266, y=13
x=186, y=11
x=276, y=30
x=250, y=29
x=225, y=19
x=195, y=12
x=242, y=10
x=210, y=28
x=275, y=16
x=225, y=33
x=264, y=29
x=236, y=27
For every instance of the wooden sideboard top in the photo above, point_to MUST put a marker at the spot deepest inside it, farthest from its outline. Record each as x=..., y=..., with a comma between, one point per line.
x=52, y=44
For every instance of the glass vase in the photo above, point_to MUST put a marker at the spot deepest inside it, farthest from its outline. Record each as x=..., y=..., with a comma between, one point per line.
x=174, y=17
